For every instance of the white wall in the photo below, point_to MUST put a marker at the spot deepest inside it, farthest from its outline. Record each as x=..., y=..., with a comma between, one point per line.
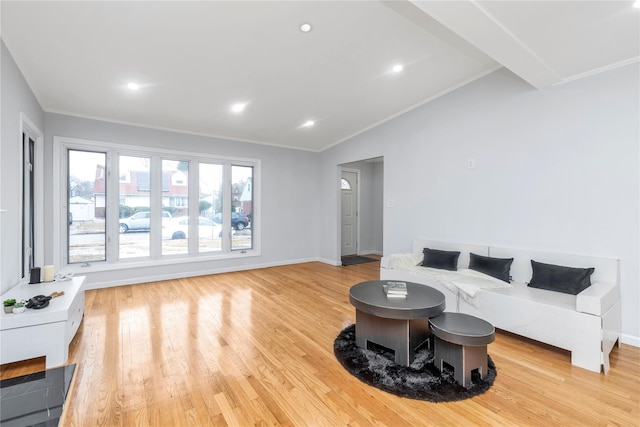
x=555, y=170
x=288, y=204
x=16, y=98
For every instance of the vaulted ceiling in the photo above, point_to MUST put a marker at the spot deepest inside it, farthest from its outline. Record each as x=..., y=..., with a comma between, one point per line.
x=193, y=61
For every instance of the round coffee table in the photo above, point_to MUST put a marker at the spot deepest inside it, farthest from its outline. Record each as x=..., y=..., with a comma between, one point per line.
x=398, y=323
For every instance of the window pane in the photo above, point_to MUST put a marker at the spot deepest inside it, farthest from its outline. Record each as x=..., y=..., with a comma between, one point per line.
x=87, y=194
x=210, y=201
x=135, y=224
x=242, y=207
x=175, y=199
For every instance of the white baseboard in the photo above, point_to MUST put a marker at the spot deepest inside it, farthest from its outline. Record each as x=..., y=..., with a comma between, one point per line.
x=330, y=262
x=155, y=278
x=630, y=340
x=182, y=274
x=365, y=253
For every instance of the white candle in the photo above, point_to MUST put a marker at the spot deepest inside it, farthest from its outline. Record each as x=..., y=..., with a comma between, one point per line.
x=47, y=273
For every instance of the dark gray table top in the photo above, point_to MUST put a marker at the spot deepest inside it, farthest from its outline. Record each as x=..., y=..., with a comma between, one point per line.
x=421, y=301
x=462, y=329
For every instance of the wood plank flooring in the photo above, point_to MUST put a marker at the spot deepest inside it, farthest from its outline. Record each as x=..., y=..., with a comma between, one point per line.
x=256, y=348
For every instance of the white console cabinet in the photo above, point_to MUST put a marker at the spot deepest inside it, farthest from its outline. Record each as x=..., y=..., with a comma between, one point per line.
x=44, y=332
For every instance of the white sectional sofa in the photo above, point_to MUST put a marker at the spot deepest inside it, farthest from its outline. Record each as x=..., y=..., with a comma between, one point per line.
x=587, y=324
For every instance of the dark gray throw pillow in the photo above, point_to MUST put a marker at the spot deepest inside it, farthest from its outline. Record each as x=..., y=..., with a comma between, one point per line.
x=444, y=260
x=496, y=267
x=558, y=278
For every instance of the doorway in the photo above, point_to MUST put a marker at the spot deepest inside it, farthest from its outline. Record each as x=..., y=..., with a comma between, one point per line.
x=349, y=212
x=361, y=207
x=31, y=206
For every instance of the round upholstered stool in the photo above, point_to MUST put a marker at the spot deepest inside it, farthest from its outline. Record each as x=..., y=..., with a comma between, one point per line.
x=461, y=341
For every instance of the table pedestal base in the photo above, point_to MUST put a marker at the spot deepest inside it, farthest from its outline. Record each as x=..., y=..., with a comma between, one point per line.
x=401, y=336
x=462, y=358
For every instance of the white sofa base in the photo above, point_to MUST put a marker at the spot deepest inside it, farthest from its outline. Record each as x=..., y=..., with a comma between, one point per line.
x=587, y=325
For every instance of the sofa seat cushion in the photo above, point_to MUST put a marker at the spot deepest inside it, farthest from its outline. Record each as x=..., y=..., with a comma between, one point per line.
x=595, y=300
x=541, y=296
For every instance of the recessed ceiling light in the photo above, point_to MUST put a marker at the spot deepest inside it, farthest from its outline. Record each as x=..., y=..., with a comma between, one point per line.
x=308, y=123
x=239, y=107
x=133, y=86
x=397, y=68
x=637, y=4
x=306, y=27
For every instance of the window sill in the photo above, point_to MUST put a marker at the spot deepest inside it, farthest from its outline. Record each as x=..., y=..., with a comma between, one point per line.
x=98, y=267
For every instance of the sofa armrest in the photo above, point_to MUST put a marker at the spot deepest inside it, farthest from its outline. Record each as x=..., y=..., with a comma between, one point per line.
x=597, y=298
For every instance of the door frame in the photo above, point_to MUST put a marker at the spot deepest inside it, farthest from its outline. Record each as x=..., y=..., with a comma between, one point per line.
x=357, y=172
x=28, y=127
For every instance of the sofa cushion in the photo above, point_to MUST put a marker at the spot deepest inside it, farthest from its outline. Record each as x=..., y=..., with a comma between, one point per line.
x=559, y=278
x=444, y=260
x=496, y=267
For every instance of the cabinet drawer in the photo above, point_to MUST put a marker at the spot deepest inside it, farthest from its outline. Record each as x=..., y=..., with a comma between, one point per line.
x=75, y=317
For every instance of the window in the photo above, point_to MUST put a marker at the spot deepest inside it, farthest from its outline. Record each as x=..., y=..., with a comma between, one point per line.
x=133, y=212
x=86, y=201
x=131, y=204
x=242, y=207
x=176, y=231
x=209, y=204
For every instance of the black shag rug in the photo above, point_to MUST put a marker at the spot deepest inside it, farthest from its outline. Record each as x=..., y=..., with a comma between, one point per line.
x=353, y=260
x=421, y=380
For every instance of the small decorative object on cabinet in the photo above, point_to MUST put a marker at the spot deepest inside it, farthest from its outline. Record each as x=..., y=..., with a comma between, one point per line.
x=8, y=305
x=19, y=307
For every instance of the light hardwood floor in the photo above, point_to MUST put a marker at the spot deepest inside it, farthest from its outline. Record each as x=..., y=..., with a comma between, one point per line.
x=256, y=348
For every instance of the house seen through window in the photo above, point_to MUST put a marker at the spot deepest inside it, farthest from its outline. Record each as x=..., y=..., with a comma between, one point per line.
x=147, y=203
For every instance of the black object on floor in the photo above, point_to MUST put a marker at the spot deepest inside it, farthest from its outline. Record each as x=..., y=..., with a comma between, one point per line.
x=35, y=399
x=352, y=260
x=421, y=380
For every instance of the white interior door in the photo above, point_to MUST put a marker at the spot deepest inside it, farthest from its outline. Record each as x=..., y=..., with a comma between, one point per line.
x=349, y=191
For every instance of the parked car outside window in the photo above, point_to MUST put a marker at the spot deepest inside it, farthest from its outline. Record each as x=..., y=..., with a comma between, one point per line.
x=238, y=220
x=178, y=228
x=139, y=221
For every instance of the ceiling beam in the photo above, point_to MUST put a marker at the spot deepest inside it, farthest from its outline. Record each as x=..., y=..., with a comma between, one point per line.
x=474, y=24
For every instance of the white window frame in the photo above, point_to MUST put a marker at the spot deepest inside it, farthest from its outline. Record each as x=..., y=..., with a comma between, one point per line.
x=60, y=147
